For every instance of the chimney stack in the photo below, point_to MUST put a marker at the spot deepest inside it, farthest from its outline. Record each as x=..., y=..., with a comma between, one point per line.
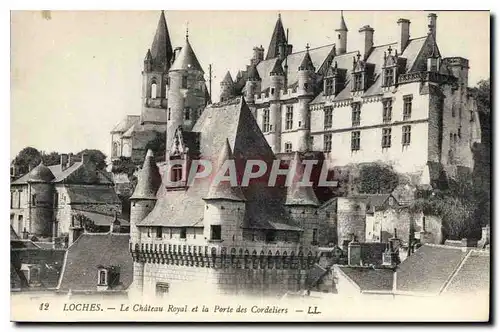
x=354, y=252
x=404, y=34
x=64, y=161
x=367, y=35
x=85, y=158
x=432, y=18
x=115, y=224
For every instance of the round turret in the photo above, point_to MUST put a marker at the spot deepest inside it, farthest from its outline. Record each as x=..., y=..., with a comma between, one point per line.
x=41, y=173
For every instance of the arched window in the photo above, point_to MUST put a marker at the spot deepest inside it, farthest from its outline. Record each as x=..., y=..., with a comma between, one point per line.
x=153, y=91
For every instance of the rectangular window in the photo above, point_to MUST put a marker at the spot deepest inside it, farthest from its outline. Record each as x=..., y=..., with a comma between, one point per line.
x=327, y=143
x=356, y=114
x=288, y=147
x=471, y=116
x=19, y=194
x=183, y=233
x=272, y=91
x=329, y=87
x=184, y=82
x=328, y=117
x=386, y=138
x=407, y=107
x=11, y=199
x=159, y=232
x=358, y=82
x=215, y=232
x=187, y=113
x=389, y=77
x=103, y=274
x=270, y=236
x=387, y=110
x=265, y=121
x=168, y=114
x=315, y=236
x=33, y=200
x=453, y=111
x=289, y=118
x=406, y=135
x=355, y=140
x=176, y=173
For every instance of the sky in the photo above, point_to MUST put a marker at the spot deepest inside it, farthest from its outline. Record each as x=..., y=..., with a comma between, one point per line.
x=75, y=74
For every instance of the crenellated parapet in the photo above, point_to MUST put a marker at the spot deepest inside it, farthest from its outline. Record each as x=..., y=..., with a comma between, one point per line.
x=222, y=257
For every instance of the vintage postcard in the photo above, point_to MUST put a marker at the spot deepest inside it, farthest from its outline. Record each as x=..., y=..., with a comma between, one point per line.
x=201, y=166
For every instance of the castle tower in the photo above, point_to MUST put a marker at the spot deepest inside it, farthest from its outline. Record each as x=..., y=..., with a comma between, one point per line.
x=302, y=202
x=253, y=84
x=186, y=94
x=142, y=203
x=341, y=35
x=143, y=199
x=154, y=76
x=41, y=201
x=224, y=206
x=278, y=39
x=305, y=96
x=226, y=87
x=277, y=81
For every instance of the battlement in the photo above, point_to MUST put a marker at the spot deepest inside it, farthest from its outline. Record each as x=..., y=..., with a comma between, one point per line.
x=457, y=61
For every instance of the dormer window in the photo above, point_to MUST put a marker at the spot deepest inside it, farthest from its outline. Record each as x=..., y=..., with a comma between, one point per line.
x=329, y=87
x=176, y=173
x=389, y=77
x=102, y=277
x=358, y=82
x=108, y=277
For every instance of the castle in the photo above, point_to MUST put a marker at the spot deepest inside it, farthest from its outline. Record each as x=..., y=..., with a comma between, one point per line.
x=401, y=103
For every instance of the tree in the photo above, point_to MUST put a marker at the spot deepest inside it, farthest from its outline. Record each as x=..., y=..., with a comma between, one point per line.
x=377, y=178
x=52, y=158
x=158, y=145
x=96, y=156
x=27, y=158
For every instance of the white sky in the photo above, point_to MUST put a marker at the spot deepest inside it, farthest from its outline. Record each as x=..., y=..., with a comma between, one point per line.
x=73, y=77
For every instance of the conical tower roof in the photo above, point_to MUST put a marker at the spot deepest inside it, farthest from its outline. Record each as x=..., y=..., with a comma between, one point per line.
x=149, y=179
x=277, y=69
x=297, y=194
x=278, y=38
x=161, y=49
x=186, y=60
x=307, y=63
x=41, y=173
x=343, y=26
x=253, y=74
x=223, y=189
x=227, y=78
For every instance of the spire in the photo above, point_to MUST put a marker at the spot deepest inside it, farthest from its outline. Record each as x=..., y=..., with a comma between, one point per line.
x=148, y=57
x=186, y=59
x=223, y=189
x=307, y=63
x=278, y=38
x=227, y=78
x=300, y=195
x=253, y=74
x=161, y=49
x=277, y=69
x=149, y=179
x=343, y=26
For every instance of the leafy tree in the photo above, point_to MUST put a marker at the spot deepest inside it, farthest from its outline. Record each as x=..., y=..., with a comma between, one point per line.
x=52, y=158
x=158, y=145
x=27, y=158
x=124, y=165
x=377, y=178
x=96, y=156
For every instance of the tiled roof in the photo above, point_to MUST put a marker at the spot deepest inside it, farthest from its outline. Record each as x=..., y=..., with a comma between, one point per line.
x=92, y=194
x=278, y=38
x=231, y=121
x=429, y=268
x=370, y=279
x=90, y=251
x=473, y=275
x=186, y=59
x=161, y=49
x=149, y=179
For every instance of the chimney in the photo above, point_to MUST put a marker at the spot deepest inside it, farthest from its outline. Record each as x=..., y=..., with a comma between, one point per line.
x=64, y=161
x=367, y=35
x=432, y=18
x=289, y=49
x=282, y=51
x=404, y=34
x=71, y=160
x=354, y=252
x=258, y=55
x=25, y=234
x=115, y=224
x=85, y=158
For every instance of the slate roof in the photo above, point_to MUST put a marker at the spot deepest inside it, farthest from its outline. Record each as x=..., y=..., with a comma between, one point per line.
x=161, y=49
x=314, y=275
x=429, y=268
x=186, y=59
x=50, y=261
x=92, y=194
x=473, y=275
x=227, y=78
x=90, y=251
x=370, y=279
x=278, y=38
x=101, y=219
x=229, y=121
x=298, y=194
x=149, y=179
x=126, y=123
x=343, y=26
x=41, y=173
